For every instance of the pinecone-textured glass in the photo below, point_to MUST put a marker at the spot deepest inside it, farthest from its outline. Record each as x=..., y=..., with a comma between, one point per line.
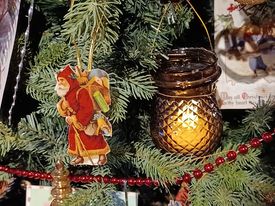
x=187, y=118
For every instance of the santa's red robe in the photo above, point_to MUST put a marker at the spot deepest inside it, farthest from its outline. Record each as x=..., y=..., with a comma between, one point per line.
x=79, y=105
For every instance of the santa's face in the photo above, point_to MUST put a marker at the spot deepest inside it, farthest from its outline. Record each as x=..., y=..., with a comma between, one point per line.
x=62, y=86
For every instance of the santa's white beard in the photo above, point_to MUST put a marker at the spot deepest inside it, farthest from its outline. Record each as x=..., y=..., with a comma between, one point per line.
x=61, y=90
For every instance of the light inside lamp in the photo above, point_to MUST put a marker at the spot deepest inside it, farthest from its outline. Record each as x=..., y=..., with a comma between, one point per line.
x=189, y=115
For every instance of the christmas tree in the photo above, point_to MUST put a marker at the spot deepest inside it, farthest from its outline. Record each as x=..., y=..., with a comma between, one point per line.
x=127, y=38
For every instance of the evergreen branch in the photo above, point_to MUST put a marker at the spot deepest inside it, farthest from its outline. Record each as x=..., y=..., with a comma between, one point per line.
x=41, y=82
x=138, y=44
x=254, y=124
x=93, y=18
x=43, y=138
x=150, y=161
x=257, y=121
x=48, y=109
x=120, y=151
x=5, y=176
x=232, y=183
x=138, y=84
x=92, y=194
x=119, y=105
x=7, y=139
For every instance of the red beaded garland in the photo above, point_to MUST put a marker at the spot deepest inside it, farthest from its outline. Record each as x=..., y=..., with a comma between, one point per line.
x=231, y=155
x=197, y=173
x=243, y=149
x=219, y=161
x=106, y=179
x=121, y=181
x=91, y=179
x=37, y=175
x=255, y=142
x=179, y=181
x=208, y=167
x=139, y=182
x=155, y=183
x=267, y=137
x=148, y=182
x=49, y=176
x=114, y=180
x=131, y=181
x=187, y=178
x=42, y=176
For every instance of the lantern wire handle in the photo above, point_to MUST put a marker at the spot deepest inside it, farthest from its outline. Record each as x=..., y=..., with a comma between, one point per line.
x=20, y=65
x=203, y=24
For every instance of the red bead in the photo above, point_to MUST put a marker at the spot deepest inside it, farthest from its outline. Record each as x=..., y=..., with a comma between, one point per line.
x=197, y=173
x=121, y=181
x=37, y=175
x=139, y=182
x=155, y=183
x=106, y=179
x=219, y=161
x=267, y=137
x=131, y=181
x=43, y=176
x=114, y=180
x=98, y=178
x=24, y=173
x=231, y=155
x=186, y=178
x=179, y=181
x=91, y=178
x=77, y=178
x=49, y=176
x=83, y=179
x=72, y=178
x=11, y=170
x=208, y=167
x=16, y=172
x=30, y=174
x=243, y=149
x=255, y=143
x=148, y=182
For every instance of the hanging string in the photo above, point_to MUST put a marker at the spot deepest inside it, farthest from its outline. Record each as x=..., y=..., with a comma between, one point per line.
x=20, y=65
x=203, y=24
x=166, y=7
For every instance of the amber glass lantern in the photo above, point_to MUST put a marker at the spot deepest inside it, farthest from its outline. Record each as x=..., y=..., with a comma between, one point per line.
x=186, y=118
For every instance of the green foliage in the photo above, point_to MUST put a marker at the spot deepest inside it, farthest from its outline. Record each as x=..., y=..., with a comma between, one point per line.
x=95, y=21
x=151, y=162
x=236, y=183
x=42, y=74
x=7, y=139
x=258, y=121
x=93, y=194
x=254, y=124
x=121, y=151
x=138, y=85
x=44, y=140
